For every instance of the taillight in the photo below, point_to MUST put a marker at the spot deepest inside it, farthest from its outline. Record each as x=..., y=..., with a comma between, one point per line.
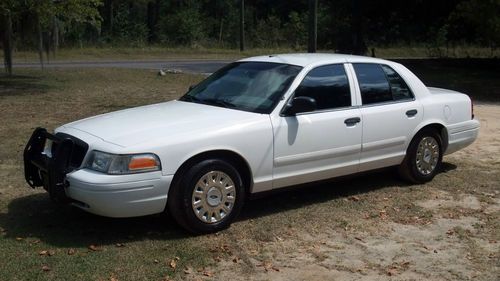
x=472, y=108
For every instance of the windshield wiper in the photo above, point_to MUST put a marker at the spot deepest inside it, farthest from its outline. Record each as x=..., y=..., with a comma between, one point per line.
x=223, y=103
x=190, y=99
x=217, y=102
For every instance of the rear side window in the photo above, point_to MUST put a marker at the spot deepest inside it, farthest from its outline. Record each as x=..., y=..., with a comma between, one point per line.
x=328, y=85
x=399, y=89
x=380, y=83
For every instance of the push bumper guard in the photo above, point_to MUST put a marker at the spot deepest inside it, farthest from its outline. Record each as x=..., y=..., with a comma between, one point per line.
x=48, y=168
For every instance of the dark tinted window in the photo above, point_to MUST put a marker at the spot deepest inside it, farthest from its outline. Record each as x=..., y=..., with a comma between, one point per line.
x=328, y=85
x=373, y=83
x=380, y=83
x=399, y=89
x=249, y=86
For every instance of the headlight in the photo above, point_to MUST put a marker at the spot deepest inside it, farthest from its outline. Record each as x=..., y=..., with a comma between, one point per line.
x=122, y=164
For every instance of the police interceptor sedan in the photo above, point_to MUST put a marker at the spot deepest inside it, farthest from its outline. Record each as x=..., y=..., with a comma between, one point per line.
x=258, y=124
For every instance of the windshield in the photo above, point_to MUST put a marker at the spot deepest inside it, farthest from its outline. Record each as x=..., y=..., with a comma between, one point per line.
x=249, y=86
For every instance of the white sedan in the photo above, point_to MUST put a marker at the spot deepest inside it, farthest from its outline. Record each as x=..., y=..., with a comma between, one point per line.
x=255, y=125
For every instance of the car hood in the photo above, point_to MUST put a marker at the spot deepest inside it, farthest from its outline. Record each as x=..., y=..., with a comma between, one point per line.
x=152, y=122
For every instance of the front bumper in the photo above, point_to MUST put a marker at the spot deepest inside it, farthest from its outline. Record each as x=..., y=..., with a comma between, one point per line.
x=118, y=195
x=47, y=166
x=59, y=171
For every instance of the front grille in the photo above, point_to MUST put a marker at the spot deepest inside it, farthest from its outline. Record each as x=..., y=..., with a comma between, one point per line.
x=79, y=150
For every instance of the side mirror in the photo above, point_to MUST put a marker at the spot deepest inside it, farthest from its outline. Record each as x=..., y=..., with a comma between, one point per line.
x=300, y=104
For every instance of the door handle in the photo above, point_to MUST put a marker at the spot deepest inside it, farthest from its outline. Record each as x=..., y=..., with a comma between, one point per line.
x=411, y=113
x=352, y=121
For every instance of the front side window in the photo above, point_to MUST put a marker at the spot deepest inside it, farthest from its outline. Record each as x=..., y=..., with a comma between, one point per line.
x=380, y=83
x=328, y=85
x=249, y=86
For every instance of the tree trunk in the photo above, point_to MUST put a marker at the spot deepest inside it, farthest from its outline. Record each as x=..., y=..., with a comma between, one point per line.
x=220, y=31
x=313, y=26
x=242, y=25
x=108, y=17
x=358, y=42
x=7, y=43
x=55, y=37
x=153, y=12
x=40, y=39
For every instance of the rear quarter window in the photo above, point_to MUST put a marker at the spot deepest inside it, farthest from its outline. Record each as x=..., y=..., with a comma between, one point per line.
x=380, y=83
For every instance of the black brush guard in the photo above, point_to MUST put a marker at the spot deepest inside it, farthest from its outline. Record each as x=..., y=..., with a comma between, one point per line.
x=49, y=172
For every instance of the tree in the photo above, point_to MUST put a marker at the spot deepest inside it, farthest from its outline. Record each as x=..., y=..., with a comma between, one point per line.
x=478, y=18
x=7, y=8
x=48, y=14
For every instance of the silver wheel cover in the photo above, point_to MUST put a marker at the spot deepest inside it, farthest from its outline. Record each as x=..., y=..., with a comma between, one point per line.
x=427, y=155
x=213, y=197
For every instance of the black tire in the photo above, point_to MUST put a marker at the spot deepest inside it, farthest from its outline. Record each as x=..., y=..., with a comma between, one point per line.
x=411, y=171
x=181, y=196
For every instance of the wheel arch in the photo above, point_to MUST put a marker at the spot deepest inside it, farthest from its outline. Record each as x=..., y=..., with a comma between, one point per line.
x=234, y=158
x=438, y=127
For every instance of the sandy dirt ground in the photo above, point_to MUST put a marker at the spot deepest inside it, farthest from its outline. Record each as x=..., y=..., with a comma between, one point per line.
x=450, y=246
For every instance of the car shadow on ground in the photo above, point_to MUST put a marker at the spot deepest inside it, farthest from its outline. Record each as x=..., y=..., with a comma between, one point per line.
x=343, y=187
x=64, y=226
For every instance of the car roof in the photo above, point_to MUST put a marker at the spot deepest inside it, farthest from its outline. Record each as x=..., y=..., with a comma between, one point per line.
x=306, y=59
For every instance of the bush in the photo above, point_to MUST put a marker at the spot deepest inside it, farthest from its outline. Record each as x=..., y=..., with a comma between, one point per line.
x=183, y=27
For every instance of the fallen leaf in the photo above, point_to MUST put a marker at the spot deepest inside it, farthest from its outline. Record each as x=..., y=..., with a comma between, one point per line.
x=71, y=251
x=208, y=273
x=267, y=265
x=450, y=232
x=113, y=278
x=119, y=245
x=188, y=270
x=173, y=264
x=392, y=271
x=45, y=268
x=43, y=253
x=217, y=258
x=19, y=239
x=358, y=238
x=354, y=198
x=93, y=248
x=156, y=261
x=51, y=253
x=236, y=259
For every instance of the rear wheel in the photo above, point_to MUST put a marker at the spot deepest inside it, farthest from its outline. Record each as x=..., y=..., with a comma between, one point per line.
x=207, y=197
x=423, y=158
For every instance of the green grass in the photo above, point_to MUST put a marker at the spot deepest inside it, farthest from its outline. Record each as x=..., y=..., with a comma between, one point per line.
x=145, y=53
x=165, y=53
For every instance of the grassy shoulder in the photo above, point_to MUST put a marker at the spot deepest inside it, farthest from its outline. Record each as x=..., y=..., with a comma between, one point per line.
x=165, y=53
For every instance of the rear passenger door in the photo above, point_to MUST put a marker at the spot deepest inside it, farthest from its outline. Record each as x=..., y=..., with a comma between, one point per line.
x=389, y=112
x=322, y=143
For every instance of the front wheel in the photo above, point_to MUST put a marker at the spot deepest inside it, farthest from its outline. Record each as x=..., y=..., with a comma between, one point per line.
x=423, y=158
x=208, y=197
